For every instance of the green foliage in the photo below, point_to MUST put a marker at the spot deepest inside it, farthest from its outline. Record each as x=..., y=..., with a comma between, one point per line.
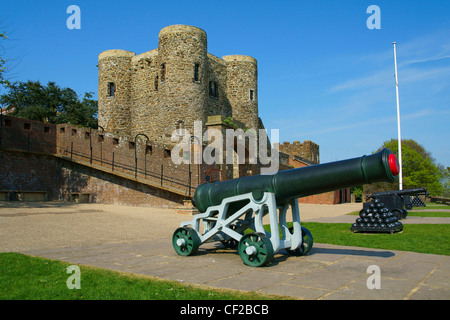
x=445, y=181
x=50, y=103
x=357, y=192
x=3, y=81
x=419, y=169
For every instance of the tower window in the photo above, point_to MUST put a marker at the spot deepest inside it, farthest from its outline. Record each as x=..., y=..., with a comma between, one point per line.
x=213, y=89
x=252, y=95
x=111, y=89
x=156, y=83
x=163, y=72
x=197, y=72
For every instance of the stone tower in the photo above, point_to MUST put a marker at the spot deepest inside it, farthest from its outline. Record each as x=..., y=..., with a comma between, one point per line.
x=242, y=82
x=174, y=85
x=114, y=90
x=183, y=60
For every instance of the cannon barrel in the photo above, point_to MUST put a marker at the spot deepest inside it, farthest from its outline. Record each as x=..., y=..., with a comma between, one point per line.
x=405, y=192
x=301, y=182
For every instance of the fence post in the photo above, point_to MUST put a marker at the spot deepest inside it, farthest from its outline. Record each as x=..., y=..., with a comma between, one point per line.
x=135, y=163
x=189, y=180
x=145, y=164
x=90, y=144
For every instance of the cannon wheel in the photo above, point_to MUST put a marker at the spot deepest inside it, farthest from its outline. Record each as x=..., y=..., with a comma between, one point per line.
x=255, y=249
x=306, y=246
x=185, y=241
x=230, y=243
x=398, y=213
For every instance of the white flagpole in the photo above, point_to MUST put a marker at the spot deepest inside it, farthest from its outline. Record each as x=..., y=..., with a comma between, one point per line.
x=400, y=175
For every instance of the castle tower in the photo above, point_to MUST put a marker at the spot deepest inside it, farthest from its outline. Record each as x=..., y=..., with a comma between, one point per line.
x=242, y=89
x=183, y=88
x=114, y=90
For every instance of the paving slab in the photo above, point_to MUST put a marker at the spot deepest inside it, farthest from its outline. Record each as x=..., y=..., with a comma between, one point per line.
x=138, y=240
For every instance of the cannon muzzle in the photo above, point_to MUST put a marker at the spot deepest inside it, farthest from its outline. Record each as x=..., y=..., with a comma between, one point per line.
x=301, y=182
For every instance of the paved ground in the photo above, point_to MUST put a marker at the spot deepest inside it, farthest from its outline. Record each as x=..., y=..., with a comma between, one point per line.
x=138, y=240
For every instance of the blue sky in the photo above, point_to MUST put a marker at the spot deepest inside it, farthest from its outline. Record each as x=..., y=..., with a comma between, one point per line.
x=323, y=75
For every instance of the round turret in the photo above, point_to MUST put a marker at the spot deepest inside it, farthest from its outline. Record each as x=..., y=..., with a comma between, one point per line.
x=242, y=89
x=183, y=64
x=114, y=90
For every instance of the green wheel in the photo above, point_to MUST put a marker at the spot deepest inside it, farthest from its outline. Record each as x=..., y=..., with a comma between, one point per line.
x=185, y=241
x=230, y=242
x=255, y=249
x=306, y=246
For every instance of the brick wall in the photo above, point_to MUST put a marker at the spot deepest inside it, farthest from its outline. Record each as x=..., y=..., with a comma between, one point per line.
x=28, y=171
x=30, y=135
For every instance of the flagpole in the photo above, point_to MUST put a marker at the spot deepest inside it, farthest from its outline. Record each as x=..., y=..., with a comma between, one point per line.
x=400, y=174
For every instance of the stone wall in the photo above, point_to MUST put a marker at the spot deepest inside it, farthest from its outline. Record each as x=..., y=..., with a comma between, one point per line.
x=307, y=150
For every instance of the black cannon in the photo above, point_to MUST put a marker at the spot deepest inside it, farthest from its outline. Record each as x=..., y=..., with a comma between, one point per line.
x=229, y=209
x=399, y=201
x=384, y=210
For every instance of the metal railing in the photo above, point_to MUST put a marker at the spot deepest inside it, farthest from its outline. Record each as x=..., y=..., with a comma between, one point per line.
x=144, y=169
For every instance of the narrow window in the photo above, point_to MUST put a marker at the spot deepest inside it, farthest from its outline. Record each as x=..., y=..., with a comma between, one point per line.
x=131, y=145
x=101, y=138
x=62, y=130
x=213, y=89
x=74, y=132
x=167, y=153
x=196, y=72
x=115, y=141
x=180, y=124
x=27, y=126
x=87, y=135
x=148, y=149
x=111, y=89
x=252, y=95
x=46, y=129
x=163, y=72
x=156, y=83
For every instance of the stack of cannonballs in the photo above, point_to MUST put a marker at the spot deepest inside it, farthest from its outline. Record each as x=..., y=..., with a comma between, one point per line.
x=375, y=217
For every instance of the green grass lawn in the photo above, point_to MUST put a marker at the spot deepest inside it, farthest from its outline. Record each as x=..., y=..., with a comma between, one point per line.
x=31, y=278
x=423, y=238
x=23, y=277
x=418, y=213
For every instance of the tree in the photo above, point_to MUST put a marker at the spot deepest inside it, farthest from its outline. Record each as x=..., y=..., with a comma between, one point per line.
x=445, y=181
x=419, y=169
x=50, y=103
x=3, y=81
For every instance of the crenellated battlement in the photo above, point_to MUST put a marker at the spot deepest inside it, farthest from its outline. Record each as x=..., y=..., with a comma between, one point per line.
x=307, y=150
